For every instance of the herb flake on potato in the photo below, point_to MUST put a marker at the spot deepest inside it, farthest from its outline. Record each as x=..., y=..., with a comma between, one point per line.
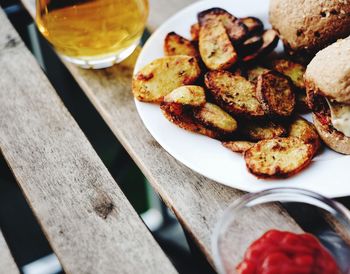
x=233, y=93
x=261, y=130
x=163, y=75
x=279, y=157
x=236, y=30
x=305, y=131
x=182, y=116
x=275, y=94
x=215, y=47
x=187, y=95
x=215, y=118
x=175, y=44
x=293, y=70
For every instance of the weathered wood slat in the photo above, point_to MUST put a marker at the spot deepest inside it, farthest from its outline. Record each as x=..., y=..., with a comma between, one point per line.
x=7, y=264
x=197, y=201
x=90, y=225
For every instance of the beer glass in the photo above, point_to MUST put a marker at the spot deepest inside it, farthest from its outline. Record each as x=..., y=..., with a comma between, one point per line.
x=92, y=33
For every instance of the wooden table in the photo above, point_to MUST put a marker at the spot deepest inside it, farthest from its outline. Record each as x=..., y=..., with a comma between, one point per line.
x=86, y=218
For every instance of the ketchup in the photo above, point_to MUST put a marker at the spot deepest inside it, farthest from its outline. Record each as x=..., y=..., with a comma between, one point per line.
x=279, y=252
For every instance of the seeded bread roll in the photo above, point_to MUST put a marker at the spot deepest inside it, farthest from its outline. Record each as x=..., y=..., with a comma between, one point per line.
x=307, y=26
x=329, y=71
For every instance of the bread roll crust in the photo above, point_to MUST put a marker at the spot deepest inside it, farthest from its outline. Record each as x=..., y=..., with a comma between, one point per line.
x=310, y=25
x=329, y=72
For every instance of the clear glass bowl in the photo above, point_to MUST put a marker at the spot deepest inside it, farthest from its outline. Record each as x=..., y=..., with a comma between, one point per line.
x=248, y=218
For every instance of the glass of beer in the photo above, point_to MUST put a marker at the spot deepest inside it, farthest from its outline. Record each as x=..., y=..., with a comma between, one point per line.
x=92, y=33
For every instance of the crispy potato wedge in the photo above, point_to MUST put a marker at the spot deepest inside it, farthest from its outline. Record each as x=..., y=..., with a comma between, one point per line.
x=215, y=118
x=233, y=93
x=238, y=146
x=251, y=45
x=279, y=157
x=182, y=116
x=215, y=47
x=256, y=131
x=254, y=25
x=187, y=95
x=195, y=28
x=275, y=94
x=270, y=41
x=293, y=70
x=305, y=131
x=175, y=44
x=254, y=73
x=163, y=75
x=235, y=28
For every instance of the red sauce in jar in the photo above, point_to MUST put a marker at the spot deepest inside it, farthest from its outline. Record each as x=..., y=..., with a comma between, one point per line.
x=279, y=252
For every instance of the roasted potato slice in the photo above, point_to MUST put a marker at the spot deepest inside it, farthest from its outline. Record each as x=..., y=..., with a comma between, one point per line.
x=270, y=38
x=175, y=44
x=275, y=94
x=254, y=73
x=187, y=95
x=163, y=75
x=293, y=70
x=195, y=28
x=235, y=29
x=305, y=131
x=238, y=146
x=215, y=47
x=256, y=131
x=182, y=116
x=279, y=157
x=233, y=93
x=254, y=25
x=215, y=118
x=250, y=45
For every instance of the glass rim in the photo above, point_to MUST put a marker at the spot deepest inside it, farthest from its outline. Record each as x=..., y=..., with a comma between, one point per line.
x=339, y=211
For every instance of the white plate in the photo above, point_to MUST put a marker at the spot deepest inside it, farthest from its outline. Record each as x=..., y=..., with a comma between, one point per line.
x=328, y=172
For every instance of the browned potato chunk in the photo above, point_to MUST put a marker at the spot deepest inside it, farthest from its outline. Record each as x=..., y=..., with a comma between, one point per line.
x=233, y=93
x=253, y=24
x=182, y=116
x=215, y=118
x=195, y=28
x=215, y=47
x=238, y=146
x=175, y=44
x=257, y=131
x=235, y=28
x=187, y=95
x=279, y=157
x=163, y=75
x=270, y=42
x=305, y=131
x=294, y=71
x=255, y=72
x=275, y=94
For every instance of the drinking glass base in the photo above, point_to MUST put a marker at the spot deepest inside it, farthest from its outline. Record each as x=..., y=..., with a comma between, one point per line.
x=103, y=62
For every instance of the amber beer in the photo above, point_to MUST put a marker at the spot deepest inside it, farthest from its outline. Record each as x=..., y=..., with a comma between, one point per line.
x=92, y=32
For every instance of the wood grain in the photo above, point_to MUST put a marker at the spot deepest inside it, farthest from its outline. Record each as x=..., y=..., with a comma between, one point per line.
x=90, y=225
x=7, y=264
x=197, y=201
